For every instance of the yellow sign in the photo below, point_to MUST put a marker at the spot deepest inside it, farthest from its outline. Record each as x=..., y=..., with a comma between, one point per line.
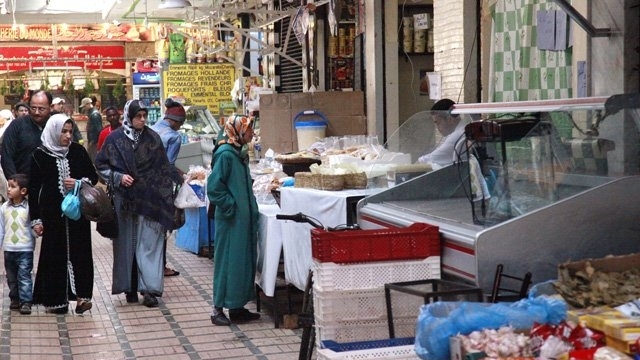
x=200, y=84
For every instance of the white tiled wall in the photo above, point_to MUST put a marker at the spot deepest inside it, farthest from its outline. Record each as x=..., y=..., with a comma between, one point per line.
x=448, y=38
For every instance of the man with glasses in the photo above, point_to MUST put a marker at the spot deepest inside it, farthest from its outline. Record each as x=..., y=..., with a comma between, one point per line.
x=23, y=135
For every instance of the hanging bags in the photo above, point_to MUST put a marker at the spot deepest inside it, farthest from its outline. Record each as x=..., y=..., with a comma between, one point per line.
x=71, y=203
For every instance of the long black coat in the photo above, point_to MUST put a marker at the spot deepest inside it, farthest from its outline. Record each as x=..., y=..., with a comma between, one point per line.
x=55, y=281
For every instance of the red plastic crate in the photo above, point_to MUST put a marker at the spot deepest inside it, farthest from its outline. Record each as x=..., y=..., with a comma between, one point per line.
x=417, y=241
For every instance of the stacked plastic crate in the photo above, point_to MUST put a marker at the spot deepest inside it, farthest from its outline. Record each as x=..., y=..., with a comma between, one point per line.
x=350, y=269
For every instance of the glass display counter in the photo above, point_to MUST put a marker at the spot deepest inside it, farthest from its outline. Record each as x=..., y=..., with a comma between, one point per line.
x=560, y=181
x=199, y=133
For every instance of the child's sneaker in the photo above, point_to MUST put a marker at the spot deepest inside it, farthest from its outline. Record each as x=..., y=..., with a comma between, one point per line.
x=15, y=305
x=25, y=309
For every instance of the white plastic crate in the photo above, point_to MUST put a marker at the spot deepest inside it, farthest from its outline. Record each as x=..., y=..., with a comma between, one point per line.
x=392, y=349
x=347, y=305
x=328, y=276
x=388, y=353
x=363, y=330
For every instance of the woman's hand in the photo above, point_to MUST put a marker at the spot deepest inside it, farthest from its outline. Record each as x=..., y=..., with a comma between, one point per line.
x=126, y=181
x=69, y=183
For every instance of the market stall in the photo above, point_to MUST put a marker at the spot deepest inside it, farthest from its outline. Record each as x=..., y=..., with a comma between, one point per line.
x=199, y=133
x=550, y=201
x=293, y=240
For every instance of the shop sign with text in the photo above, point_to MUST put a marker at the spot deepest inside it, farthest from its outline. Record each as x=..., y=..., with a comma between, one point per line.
x=16, y=58
x=64, y=32
x=199, y=84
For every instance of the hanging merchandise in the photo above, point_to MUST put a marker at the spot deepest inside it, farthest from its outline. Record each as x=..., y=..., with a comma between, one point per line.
x=190, y=54
x=162, y=48
x=176, y=49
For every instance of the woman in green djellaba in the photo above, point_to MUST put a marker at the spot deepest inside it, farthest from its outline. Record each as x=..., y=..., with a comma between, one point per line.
x=236, y=223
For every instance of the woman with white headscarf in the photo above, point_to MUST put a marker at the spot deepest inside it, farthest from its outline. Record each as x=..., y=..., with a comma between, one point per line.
x=133, y=161
x=6, y=116
x=65, y=267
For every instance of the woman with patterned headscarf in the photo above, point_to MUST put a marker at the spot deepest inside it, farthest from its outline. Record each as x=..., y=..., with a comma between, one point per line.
x=65, y=268
x=133, y=162
x=236, y=222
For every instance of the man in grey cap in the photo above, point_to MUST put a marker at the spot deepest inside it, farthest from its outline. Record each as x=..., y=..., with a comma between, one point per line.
x=94, y=125
x=167, y=128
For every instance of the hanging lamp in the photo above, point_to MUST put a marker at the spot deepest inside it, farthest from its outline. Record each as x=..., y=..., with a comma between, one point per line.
x=173, y=4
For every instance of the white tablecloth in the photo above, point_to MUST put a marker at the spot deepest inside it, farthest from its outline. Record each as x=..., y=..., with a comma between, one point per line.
x=294, y=239
x=329, y=207
x=269, y=247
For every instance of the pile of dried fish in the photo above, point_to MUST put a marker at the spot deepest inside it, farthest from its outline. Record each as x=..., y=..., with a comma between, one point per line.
x=592, y=287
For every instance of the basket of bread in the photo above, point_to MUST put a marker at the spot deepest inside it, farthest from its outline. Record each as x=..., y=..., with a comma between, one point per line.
x=324, y=177
x=297, y=162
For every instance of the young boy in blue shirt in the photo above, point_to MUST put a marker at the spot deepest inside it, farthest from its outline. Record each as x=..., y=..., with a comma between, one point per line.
x=18, y=243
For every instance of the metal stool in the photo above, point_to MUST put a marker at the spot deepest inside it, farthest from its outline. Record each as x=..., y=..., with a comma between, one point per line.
x=514, y=289
x=430, y=290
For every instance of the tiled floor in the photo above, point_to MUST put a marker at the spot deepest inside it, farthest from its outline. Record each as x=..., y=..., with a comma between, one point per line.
x=180, y=328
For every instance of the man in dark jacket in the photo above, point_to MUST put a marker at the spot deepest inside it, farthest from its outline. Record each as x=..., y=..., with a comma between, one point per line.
x=94, y=125
x=23, y=135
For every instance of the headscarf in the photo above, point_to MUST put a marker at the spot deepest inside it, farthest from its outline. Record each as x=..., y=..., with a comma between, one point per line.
x=51, y=144
x=234, y=129
x=6, y=114
x=131, y=108
x=51, y=135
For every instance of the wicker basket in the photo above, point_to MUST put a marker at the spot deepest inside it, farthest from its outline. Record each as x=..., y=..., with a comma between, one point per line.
x=290, y=166
x=319, y=181
x=355, y=181
x=307, y=180
x=331, y=182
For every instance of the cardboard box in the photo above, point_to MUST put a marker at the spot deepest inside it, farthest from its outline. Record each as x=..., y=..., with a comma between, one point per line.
x=344, y=111
x=301, y=102
x=276, y=126
x=339, y=103
x=579, y=316
x=629, y=347
x=347, y=125
x=283, y=147
x=627, y=330
x=607, y=264
x=598, y=321
x=275, y=102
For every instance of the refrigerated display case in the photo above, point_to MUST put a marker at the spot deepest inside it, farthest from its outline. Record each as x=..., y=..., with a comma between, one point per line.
x=146, y=87
x=199, y=133
x=561, y=176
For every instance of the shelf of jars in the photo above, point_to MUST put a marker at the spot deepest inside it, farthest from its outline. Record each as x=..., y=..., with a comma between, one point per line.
x=415, y=36
x=340, y=51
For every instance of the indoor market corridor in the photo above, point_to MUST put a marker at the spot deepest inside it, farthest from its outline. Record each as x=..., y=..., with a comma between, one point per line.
x=180, y=328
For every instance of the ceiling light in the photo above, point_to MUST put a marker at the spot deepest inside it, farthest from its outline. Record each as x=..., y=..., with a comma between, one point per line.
x=173, y=4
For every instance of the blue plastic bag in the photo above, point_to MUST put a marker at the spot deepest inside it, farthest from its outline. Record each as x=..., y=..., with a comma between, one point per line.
x=71, y=203
x=441, y=320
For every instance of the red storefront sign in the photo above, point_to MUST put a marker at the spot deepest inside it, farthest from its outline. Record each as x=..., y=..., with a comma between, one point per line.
x=16, y=58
